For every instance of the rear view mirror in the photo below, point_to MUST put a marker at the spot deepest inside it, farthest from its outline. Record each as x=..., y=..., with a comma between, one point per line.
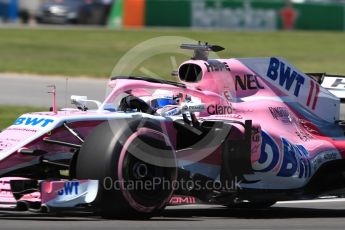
x=79, y=101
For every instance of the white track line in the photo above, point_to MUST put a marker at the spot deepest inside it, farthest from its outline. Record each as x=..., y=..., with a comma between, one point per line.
x=312, y=201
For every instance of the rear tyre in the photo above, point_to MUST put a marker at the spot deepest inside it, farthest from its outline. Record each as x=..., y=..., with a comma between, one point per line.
x=135, y=165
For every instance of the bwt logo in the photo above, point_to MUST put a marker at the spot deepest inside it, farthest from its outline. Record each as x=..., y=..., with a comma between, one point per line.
x=291, y=160
x=33, y=121
x=285, y=76
x=70, y=188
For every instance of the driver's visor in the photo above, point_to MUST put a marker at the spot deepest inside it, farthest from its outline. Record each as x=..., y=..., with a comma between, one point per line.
x=161, y=102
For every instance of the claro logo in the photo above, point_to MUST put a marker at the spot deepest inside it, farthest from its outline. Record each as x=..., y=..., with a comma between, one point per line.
x=219, y=109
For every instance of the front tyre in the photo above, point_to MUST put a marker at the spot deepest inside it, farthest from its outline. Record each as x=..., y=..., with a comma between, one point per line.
x=135, y=165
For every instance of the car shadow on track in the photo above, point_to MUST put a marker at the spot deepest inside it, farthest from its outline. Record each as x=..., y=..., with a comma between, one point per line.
x=188, y=214
x=269, y=213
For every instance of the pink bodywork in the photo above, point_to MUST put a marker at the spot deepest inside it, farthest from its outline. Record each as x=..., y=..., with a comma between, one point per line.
x=217, y=88
x=6, y=197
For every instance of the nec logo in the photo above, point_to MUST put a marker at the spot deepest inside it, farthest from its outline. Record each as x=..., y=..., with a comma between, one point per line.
x=249, y=81
x=285, y=76
x=33, y=121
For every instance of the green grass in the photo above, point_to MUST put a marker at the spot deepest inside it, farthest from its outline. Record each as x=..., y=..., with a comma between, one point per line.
x=95, y=52
x=8, y=114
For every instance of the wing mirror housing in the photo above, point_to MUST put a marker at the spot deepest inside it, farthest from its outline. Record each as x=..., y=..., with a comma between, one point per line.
x=81, y=102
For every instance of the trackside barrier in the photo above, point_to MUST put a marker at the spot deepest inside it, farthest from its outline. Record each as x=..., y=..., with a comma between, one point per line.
x=228, y=14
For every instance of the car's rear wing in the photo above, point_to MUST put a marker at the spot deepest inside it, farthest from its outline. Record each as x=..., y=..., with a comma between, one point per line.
x=333, y=83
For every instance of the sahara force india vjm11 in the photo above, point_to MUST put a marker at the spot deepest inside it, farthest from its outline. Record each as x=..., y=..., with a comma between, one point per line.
x=244, y=132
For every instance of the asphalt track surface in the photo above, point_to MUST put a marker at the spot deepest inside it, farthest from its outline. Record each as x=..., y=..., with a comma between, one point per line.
x=319, y=214
x=32, y=90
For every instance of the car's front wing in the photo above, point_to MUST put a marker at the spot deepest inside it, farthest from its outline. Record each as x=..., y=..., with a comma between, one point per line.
x=18, y=193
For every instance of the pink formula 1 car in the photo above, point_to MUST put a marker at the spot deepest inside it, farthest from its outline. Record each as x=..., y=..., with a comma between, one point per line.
x=236, y=132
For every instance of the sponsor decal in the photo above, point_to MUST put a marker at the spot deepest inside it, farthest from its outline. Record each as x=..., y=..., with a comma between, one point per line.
x=215, y=66
x=33, y=121
x=171, y=112
x=22, y=130
x=249, y=82
x=180, y=200
x=220, y=14
x=312, y=98
x=285, y=76
x=294, y=158
x=197, y=107
x=307, y=126
x=6, y=193
x=304, y=136
x=255, y=134
x=227, y=95
x=219, y=109
x=70, y=188
x=5, y=189
x=233, y=116
x=323, y=158
x=280, y=113
x=4, y=144
x=337, y=82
